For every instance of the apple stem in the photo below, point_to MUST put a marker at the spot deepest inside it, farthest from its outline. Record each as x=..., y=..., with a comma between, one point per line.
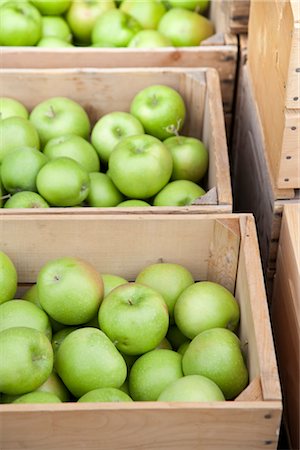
x=174, y=129
x=51, y=113
x=130, y=302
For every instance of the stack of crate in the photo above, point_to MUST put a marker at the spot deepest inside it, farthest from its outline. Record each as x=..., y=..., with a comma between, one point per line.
x=265, y=164
x=206, y=238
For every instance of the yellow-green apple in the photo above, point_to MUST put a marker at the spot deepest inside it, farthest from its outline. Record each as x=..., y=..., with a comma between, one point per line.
x=167, y=278
x=206, y=305
x=54, y=385
x=20, y=167
x=160, y=109
x=10, y=107
x=19, y=313
x=103, y=192
x=74, y=147
x=70, y=290
x=140, y=166
x=185, y=28
x=135, y=318
x=38, y=397
x=8, y=278
x=110, y=129
x=178, y=193
x=57, y=27
x=192, y=388
x=88, y=360
x=216, y=354
x=53, y=42
x=148, y=13
x=26, y=199
x=21, y=24
x=152, y=373
x=63, y=182
x=133, y=203
x=82, y=16
x=52, y=7
x=17, y=132
x=198, y=5
x=111, y=281
x=149, y=39
x=26, y=360
x=105, y=395
x=58, y=116
x=190, y=158
x=183, y=348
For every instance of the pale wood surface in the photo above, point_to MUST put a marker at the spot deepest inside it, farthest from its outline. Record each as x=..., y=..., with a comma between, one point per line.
x=124, y=244
x=274, y=65
x=230, y=15
x=286, y=317
x=101, y=91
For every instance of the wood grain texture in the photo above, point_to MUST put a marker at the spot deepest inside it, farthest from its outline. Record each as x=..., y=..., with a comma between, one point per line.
x=123, y=244
x=231, y=16
x=286, y=318
x=101, y=91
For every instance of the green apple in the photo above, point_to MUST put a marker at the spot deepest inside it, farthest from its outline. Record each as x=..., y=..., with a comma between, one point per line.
x=183, y=348
x=178, y=193
x=111, y=281
x=21, y=24
x=198, y=5
x=55, y=386
x=20, y=168
x=8, y=278
x=216, y=354
x=75, y=147
x=58, y=116
x=38, y=397
x=52, y=7
x=134, y=317
x=88, y=360
x=193, y=27
x=70, y=290
x=10, y=107
x=2, y=193
x=105, y=395
x=63, y=182
x=17, y=132
x=115, y=27
x=140, y=166
x=152, y=373
x=167, y=278
x=160, y=109
x=59, y=337
x=103, y=192
x=26, y=199
x=175, y=337
x=82, y=16
x=133, y=203
x=192, y=388
x=26, y=360
x=53, y=42
x=57, y=27
x=190, y=158
x=147, y=13
x=19, y=313
x=110, y=129
x=206, y=305
x=149, y=39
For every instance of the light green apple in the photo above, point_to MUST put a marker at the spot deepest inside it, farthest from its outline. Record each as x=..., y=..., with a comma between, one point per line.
x=88, y=360
x=111, y=281
x=133, y=203
x=53, y=42
x=198, y=5
x=105, y=395
x=56, y=26
x=52, y=7
x=70, y=290
x=192, y=388
x=135, y=317
x=147, y=13
x=8, y=278
x=206, y=305
x=26, y=199
x=152, y=372
x=38, y=397
x=216, y=354
x=26, y=360
x=178, y=193
x=183, y=348
x=149, y=39
x=59, y=337
x=54, y=385
x=103, y=192
x=167, y=278
x=10, y=107
x=19, y=313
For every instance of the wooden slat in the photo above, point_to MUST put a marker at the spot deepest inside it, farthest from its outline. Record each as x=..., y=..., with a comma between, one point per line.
x=230, y=15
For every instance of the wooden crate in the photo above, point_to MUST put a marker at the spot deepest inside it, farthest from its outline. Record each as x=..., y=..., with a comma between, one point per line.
x=217, y=247
x=274, y=65
x=252, y=183
x=285, y=315
x=231, y=16
x=101, y=91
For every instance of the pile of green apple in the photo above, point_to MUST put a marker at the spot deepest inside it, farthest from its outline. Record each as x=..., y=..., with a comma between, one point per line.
x=78, y=335
x=53, y=156
x=104, y=23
